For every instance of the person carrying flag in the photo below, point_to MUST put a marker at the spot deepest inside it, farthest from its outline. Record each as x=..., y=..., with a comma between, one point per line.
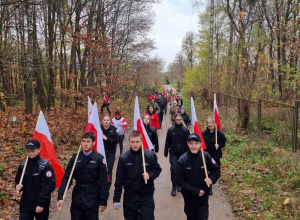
x=105, y=103
x=91, y=190
x=192, y=179
x=110, y=140
x=213, y=148
x=138, y=194
x=37, y=184
x=176, y=145
x=151, y=132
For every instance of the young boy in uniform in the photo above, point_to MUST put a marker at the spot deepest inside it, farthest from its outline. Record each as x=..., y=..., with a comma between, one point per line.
x=37, y=184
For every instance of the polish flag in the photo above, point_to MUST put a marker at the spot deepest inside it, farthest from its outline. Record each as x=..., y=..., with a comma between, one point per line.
x=196, y=127
x=90, y=107
x=94, y=126
x=139, y=126
x=42, y=134
x=216, y=115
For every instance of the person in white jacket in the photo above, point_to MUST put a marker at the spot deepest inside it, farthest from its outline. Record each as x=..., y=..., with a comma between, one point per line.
x=120, y=124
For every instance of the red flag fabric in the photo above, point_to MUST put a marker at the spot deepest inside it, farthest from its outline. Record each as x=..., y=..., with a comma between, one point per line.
x=196, y=127
x=94, y=126
x=216, y=115
x=42, y=134
x=139, y=126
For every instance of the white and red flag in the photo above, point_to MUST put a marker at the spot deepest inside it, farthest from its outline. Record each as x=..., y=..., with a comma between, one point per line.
x=139, y=126
x=216, y=115
x=42, y=134
x=94, y=126
x=196, y=127
x=90, y=107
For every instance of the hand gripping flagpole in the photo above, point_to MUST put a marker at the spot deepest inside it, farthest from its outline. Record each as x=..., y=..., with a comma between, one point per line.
x=204, y=163
x=70, y=177
x=144, y=166
x=23, y=172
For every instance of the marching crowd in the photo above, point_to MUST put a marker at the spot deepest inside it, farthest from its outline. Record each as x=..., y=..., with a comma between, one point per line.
x=192, y=171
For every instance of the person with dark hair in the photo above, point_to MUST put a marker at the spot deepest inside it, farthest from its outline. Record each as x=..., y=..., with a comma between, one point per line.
x=138, y=202
x=151, y=132
x=37, y=185
x=91, y=190
x=110, y=140
x=154, y=105
x=154, y=120
x=105, y=103
x=191, y=177
x=119, y=122
x=176, y=145
x=185, y=117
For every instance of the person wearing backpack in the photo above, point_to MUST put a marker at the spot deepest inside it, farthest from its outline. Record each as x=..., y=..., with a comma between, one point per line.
x=37, y=185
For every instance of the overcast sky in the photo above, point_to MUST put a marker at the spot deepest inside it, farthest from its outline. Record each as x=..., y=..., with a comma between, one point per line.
x=174, y=18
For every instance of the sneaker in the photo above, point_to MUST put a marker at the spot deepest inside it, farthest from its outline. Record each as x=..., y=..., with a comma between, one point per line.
x=178, y=189
x=173, y=192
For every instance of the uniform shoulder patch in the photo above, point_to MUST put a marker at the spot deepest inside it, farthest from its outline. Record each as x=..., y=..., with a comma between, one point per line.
x=49, y=173
x=213, y=161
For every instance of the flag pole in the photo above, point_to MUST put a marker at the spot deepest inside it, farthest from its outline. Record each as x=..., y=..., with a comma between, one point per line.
x=204, y=163
x=70, y=177
x=144, y=166
x=216, y=134
x=23, y=172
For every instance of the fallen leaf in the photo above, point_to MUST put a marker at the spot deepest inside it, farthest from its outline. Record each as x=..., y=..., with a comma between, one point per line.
x=287, y=201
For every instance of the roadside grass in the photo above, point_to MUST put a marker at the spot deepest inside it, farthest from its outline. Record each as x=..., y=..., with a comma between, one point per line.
x=261, y=181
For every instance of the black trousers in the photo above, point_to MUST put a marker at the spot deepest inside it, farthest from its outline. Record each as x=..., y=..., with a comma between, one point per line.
x=121, y=139
x=138, y=207
x=160, y=117
x=84, y=214
x=107, y=107
x=29, y=215
x=110, y=160
x=173, y=166
x=196, y=208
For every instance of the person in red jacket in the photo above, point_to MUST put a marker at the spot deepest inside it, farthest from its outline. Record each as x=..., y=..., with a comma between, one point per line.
x=154, y=120
x=105, y=103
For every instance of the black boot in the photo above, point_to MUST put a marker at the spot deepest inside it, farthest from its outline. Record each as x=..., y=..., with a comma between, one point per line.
x=178, y=188
x=173, y=192
x=210, y=190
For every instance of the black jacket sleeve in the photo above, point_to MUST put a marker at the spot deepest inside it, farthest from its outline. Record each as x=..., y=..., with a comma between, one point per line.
x=65, y=178
x=120, y=180
x=188, y=123
x=155, y=139
x=47, y=185
x=103, y=183
x=168, y=143
x=18, y=175
x=213, y=168
x=156, y=169
x=221, y=139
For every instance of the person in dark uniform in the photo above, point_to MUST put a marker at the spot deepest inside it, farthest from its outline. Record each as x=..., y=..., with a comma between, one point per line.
x=162, y=106
x=176, y=145
x=91, y=190
x=151, y=132
x=138, y=199
x=110, y=140
x=209, y=137
x=37, y=185
x=185, y=117
x=191, y=177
